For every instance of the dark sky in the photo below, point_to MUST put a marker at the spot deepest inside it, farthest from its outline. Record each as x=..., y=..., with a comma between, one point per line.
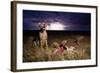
x=70, y=21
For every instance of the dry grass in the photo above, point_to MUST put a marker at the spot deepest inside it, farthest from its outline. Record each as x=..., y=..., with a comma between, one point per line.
x=82, y=51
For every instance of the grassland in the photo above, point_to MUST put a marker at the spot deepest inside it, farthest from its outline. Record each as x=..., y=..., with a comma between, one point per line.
x=35, y=54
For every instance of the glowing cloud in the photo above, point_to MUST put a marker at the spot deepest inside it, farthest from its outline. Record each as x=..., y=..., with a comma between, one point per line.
x=56, y=26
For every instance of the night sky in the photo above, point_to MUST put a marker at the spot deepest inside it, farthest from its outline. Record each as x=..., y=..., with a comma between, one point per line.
x=67, y=21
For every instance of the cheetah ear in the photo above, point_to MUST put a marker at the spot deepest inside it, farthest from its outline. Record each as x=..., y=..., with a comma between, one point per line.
x=39, y=24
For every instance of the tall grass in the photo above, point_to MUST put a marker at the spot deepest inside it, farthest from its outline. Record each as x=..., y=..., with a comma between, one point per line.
x=35, y=54
x=47, y=55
